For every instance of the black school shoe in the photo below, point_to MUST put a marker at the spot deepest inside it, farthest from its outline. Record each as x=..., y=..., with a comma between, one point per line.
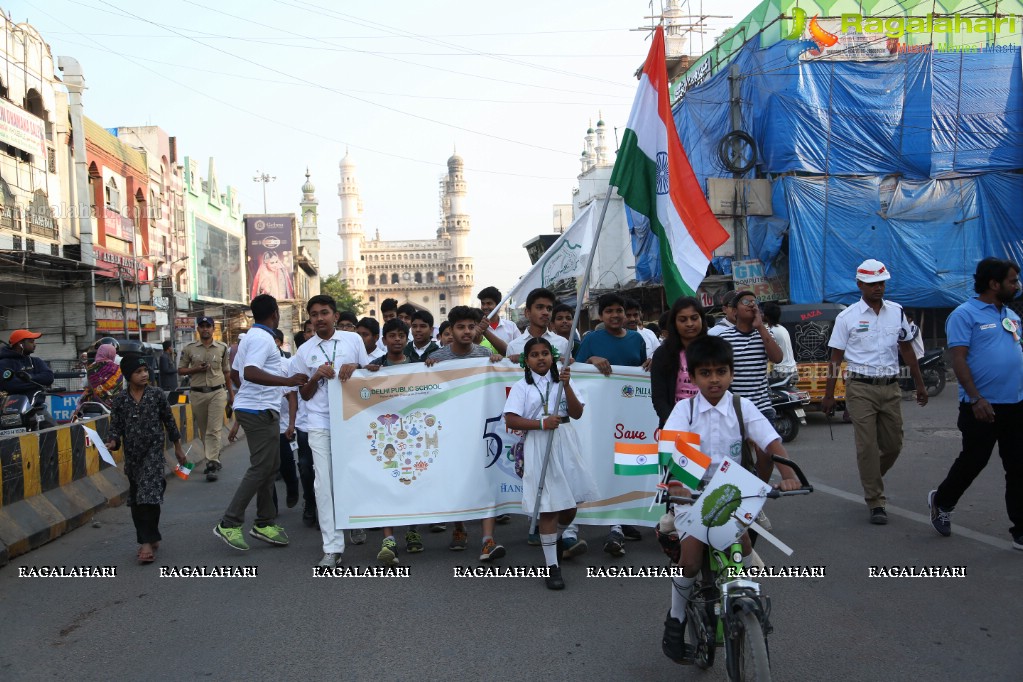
x=878, y=516
x=673, y=642
x=631, y=533
x=211, y=471
x=309, y=516
x=554, y=580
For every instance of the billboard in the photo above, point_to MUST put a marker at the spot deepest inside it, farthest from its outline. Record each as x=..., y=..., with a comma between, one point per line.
x=270, y=254
x=219, y=263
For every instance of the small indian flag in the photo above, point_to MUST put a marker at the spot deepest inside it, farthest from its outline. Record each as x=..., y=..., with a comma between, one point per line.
x=636, y=459
x=680, y=452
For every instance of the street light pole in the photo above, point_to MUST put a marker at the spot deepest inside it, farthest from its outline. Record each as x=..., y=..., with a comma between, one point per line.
x=263, y=178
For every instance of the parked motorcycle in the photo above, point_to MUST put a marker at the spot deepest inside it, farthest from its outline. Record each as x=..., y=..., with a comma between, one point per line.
x=788, y=406
x=932, y=367
x=24, y=413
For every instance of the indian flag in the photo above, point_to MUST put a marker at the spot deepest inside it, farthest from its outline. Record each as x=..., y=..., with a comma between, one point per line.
x=636, y=459
x=680, y=452
x=653, y=175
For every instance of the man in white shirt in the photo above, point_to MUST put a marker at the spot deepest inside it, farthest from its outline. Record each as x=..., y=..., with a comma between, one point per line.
x=259, y=369
x=331, y=353
x=787, y=367
x=634, y=321
x=870, y=335
x=539, y=304
x=498, y=332
x=728, y=308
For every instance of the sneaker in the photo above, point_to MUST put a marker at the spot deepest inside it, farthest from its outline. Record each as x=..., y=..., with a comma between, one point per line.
x=673, y=641
x=491, y=550
x=878, y=516
x=211, y=471
x=533, y=540
x=358, y=536
x=270, y=533
x=503, y=519
x=330, y=560
x=388, y=554
x=413, y=542
x=941, y=519
x=438, y=527
x=631, y=533
x=615, y=544
x=1017, y=541
x=292, y=499
x=232, y=536
x=554, y=580
x=572, y=547
x=459, y=540
x=309, y=515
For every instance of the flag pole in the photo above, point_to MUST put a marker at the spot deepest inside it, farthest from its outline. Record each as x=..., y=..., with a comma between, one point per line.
x=534, y=519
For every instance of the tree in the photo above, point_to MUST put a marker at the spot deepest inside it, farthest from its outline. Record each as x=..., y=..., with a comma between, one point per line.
x=337, y=288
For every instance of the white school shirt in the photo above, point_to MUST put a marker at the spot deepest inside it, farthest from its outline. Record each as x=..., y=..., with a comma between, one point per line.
x=718, y=427
x=871, y=340
x=527, y=400
x=788, y=359
x=651, y=340
x=301, y=416
x=518, y=344
x=506, y=330
x=342, y=348
x=258, y=349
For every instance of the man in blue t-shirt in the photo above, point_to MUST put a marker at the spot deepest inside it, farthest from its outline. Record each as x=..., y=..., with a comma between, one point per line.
x=612, y=345
x=987, y=357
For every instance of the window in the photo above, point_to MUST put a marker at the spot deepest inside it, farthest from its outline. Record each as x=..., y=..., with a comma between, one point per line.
x=372, y=280
x=394, y=278
x=419, y=278
x=429, y=278
x=372, y=299
x=113, y=196
x=443, y=310
x=443, y=297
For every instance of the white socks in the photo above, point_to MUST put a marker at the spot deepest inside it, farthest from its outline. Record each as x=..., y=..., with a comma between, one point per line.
x=681, y=590
x=747, y=561
x=550, y=549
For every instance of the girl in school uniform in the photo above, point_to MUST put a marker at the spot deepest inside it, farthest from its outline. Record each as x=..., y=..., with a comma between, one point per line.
x=530, y=408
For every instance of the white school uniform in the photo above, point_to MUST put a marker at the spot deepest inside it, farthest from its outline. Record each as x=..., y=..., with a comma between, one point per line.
x=567, y=482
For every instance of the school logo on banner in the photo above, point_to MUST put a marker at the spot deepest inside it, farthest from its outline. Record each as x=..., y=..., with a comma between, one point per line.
x=405, y=446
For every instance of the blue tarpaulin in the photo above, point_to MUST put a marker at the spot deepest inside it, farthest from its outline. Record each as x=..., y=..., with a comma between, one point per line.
x=947, y=126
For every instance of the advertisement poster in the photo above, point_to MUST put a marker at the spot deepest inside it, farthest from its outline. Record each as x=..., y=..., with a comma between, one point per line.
x=269, y=242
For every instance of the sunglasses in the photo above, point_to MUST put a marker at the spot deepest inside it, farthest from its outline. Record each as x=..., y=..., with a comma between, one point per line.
x=749, y=302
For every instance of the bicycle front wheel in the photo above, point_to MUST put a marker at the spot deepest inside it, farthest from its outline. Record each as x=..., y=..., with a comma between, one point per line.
x=750, y=651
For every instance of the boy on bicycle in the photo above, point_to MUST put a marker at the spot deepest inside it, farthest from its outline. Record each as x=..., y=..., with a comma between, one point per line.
x=712, y=415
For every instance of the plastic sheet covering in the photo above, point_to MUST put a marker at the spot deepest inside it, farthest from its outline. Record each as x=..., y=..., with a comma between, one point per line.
x=922, y=115
x=766, y=234
x=931, y=237
x=645, y=247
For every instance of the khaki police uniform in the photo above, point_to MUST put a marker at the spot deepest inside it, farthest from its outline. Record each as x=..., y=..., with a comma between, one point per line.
x=208, y=391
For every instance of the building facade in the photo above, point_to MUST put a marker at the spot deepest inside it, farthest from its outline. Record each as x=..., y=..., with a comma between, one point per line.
x=431, y=274
x=216, y=239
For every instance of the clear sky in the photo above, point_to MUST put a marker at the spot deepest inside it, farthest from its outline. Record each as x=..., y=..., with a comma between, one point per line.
x=280, y=85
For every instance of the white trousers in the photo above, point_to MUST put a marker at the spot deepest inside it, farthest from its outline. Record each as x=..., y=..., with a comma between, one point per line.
x=333, y=539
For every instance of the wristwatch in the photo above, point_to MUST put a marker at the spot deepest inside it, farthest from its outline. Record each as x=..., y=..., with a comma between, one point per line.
x=974, y=401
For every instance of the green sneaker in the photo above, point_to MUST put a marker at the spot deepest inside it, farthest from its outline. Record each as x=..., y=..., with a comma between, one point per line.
x=272, y=534
x=413, y=542
x=388, y=554
x=232, y=536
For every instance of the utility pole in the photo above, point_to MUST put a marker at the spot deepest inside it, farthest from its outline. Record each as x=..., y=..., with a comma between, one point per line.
x=124, y=303
x=264, y=178
x=735, y=112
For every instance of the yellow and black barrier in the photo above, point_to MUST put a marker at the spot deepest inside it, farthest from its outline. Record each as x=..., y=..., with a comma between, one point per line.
x=53, y=481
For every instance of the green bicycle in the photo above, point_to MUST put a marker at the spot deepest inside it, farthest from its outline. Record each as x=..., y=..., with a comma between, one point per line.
x=730, y=611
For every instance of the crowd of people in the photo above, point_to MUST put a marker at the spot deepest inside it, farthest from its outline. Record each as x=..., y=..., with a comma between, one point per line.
x=712, y=380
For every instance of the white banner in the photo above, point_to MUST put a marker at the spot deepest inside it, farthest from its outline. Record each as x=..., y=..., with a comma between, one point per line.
x=416, y=444
x=565, y=258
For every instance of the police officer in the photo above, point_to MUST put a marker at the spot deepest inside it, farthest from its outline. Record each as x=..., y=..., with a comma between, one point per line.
x=870, y=334
x=206, y=364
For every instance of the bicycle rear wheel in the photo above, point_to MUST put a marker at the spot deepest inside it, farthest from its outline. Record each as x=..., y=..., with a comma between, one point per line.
x=750, y=651
x=700, y=631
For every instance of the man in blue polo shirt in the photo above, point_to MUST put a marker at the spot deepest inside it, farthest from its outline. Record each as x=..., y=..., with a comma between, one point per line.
x=984, y=336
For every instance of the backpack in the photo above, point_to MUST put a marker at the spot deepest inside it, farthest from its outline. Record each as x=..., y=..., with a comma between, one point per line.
x=746, y=458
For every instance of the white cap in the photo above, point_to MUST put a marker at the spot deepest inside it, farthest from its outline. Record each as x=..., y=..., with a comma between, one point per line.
x=871, y=271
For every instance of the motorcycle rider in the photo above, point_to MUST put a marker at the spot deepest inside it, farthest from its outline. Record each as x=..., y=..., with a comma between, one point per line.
x=17, y=358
